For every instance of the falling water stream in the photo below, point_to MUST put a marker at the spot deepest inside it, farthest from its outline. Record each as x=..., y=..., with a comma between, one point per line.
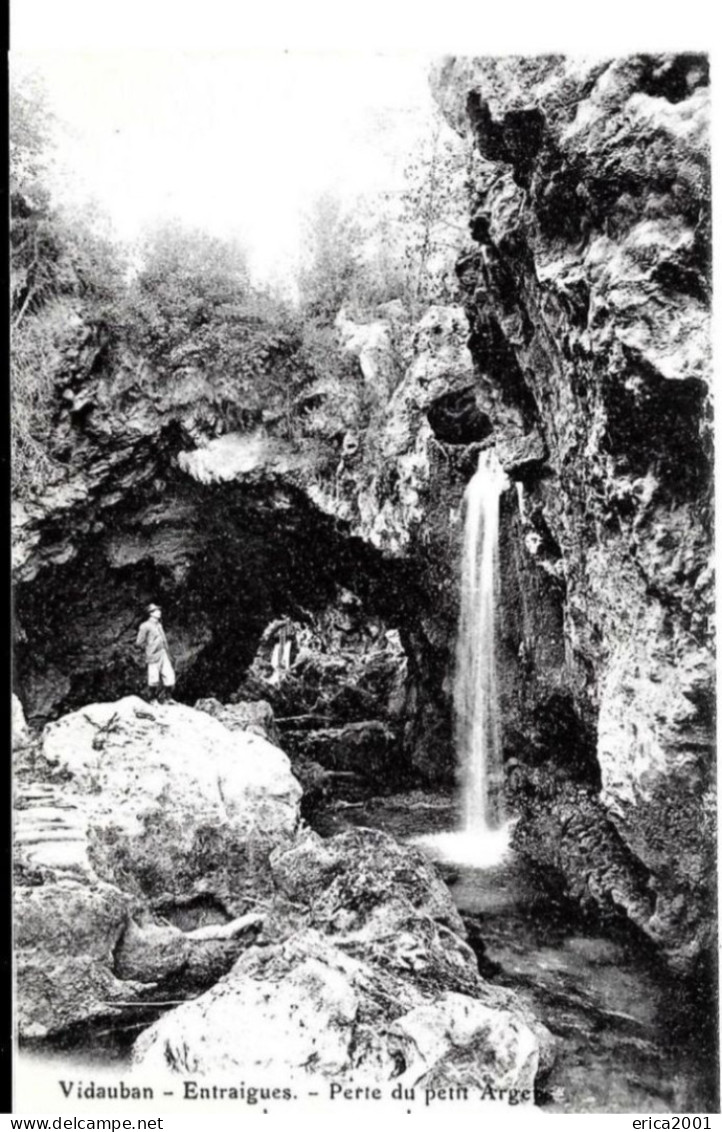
x=483, y=836
x=625, y=1041
x=476, y=707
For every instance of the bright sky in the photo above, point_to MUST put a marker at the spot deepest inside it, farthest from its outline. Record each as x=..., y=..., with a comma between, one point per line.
x=235, y=142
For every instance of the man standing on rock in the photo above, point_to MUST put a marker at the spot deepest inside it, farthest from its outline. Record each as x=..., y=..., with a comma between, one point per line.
x=161, y=677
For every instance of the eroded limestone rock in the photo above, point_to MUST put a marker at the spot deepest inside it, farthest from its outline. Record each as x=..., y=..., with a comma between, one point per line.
x=254, y=716
x=308, y=1008
x=364, y=975
x=175, y=803
x=65, y=935
x=143, y=811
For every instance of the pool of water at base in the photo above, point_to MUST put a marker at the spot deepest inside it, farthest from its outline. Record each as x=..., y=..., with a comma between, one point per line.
x=630, y=1037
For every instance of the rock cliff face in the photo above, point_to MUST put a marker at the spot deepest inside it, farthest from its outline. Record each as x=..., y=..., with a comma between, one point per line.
x=588, y=296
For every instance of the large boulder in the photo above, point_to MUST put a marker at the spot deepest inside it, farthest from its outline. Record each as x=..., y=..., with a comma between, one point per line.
x=66, y=933
x=85, y=950
x=364, y=973
x=307, y=1008
x=175, y=803
x=138, y=860
x=363, y=875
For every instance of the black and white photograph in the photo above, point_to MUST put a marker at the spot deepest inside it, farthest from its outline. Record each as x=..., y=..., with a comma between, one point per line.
x=363, y=583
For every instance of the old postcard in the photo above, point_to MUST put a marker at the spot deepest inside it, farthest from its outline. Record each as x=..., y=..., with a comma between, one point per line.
x=364, y=705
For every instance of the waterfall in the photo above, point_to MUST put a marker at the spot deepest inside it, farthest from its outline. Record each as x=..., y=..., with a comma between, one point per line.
x=476, y=709
x=482, y=841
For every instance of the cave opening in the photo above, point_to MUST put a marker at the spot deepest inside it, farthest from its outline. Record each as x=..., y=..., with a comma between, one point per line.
x=222, y=561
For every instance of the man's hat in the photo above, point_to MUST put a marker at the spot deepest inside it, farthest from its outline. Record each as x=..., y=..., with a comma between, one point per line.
x=153, y=608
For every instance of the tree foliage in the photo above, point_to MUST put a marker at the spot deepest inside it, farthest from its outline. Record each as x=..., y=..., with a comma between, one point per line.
x=332, y=259
x=191, y=306
x=353, y=258
x=189, y=285
x=441, y=183
x=184, y=301
x=54, y=253
x=395, y=246
x=30, y=131
x=63, y=270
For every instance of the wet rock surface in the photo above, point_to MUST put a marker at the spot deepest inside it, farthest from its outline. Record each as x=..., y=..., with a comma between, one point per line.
x=630, y=1036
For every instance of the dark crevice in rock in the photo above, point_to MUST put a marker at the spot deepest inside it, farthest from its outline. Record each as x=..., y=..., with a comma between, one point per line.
x=559, y=201
x=499, y=367
x=456, y=418
x=108, y=1037
x=653, y=423
x=515, y=140
x=690, y=278
x=674, y=77
x=523, y=132
x=117, y=947
x=192, y=912
x=548, y=547
x=554, y=735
